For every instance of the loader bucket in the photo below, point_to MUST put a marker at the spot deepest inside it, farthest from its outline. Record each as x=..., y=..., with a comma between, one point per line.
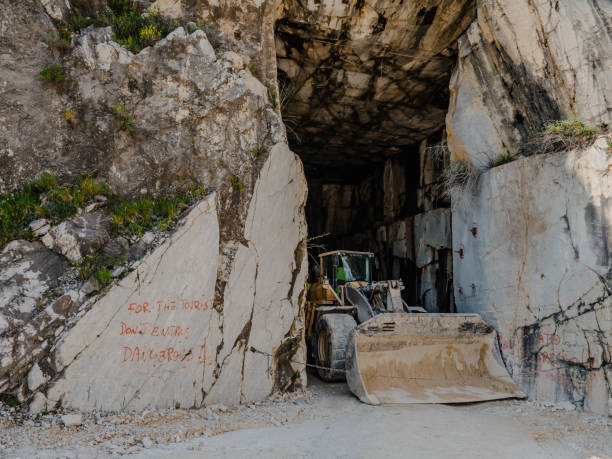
x=426, y=358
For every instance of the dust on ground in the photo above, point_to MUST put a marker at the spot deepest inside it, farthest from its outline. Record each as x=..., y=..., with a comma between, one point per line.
x=327, y=421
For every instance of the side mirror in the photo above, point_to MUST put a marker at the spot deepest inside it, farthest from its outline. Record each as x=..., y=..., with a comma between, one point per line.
x=335, y=261
x=376, y=263
x=317, y=270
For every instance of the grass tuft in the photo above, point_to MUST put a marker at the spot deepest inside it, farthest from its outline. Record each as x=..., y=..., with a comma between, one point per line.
x=134, y=217
x=123, y=118
x=103, y=276
x=458, y=174
x=53, y=73
x=571, y=129
x=560, y=136
x=45, y=198
x=64, y=34
x=9, y=400
x=236, y=183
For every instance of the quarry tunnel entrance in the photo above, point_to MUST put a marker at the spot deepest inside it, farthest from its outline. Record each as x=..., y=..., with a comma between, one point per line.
x=364, y=112
x=393, y=207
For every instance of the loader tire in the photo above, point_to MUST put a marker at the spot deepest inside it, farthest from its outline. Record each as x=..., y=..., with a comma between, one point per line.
x=332, y=332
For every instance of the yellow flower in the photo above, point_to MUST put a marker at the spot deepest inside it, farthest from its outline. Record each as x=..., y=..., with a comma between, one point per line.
x=150, y=33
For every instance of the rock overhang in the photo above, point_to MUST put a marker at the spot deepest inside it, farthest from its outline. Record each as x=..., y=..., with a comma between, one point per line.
x=361, y=81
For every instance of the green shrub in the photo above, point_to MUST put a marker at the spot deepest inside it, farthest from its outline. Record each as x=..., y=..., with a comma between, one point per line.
x=168, y=208
x=149, y=34
x=64, y=34
x=80, y=21
x=572, y=129
x=87, y=267
x=62, y=40
x=64, y=202
x=127, y=26
x=136, y=32
x=164, y=224
x=44, y=198
x=119, y=7
x=104, y=277
x=130, y=28
x=134, y=217
x=46, y=182
x=123, y=118
x=99, y=265
x=236, y=183
x=53, y=73
x=19, y=208
x=9, y=400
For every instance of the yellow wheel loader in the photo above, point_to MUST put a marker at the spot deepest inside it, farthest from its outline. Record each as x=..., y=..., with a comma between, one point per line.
x=391, y=353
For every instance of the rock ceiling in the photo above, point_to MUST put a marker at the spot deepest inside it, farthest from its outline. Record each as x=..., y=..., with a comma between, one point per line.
x=361, y=80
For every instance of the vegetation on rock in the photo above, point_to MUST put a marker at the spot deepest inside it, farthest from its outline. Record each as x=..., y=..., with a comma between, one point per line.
x=134, y=217
x=554, y=137
x=94, y=263
x=574, y=129
x=104, y=277
x=123, y=118
x=53, y=73
x=236, y=183
x=561, y=135
x=129, y=219
x=458, y=175
x=69, y=115
x=149, y=34
x=63, y=39
x=132, y=26
x=44, y=198
x=98, y=266
x=64, y=34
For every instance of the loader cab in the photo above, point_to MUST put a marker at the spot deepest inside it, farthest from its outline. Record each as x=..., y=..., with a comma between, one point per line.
x=341, y=267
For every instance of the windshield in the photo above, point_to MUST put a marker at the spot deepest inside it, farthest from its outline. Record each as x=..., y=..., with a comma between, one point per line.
x=354, y=267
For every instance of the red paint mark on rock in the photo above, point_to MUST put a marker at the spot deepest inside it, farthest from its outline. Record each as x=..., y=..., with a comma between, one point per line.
x=461, y=251
x=474, y=230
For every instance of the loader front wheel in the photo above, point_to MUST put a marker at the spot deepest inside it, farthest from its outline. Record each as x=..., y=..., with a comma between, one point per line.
x=332, y=332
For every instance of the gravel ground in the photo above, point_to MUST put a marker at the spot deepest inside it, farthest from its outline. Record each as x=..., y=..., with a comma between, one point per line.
x=326, y=422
